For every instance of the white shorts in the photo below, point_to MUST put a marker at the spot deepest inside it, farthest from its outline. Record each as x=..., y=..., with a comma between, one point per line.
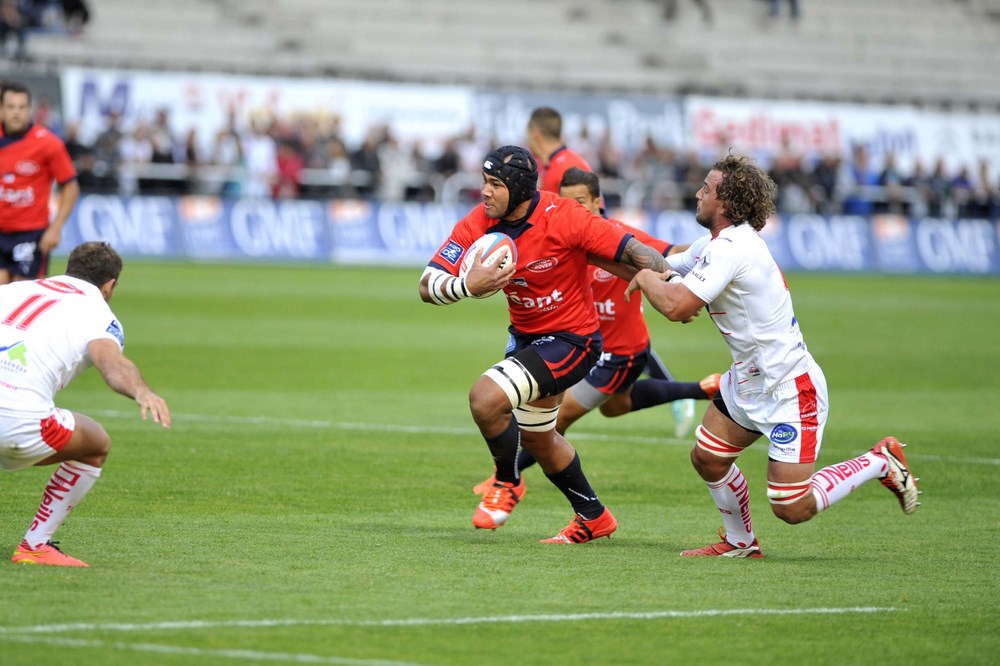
x=792, y=416
x=24, y=440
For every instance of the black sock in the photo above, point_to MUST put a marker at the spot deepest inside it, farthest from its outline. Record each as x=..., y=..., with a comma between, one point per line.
x=652, y=392
x=574, y=485
x=525, y=460
x=504, y=448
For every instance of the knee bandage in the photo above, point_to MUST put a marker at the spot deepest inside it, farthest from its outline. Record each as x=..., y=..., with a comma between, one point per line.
x=715, y=445
x=536, y=419
x=515, y=380
x=787, y=493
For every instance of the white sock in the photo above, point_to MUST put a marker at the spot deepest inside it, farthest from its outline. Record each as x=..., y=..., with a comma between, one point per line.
x=834, y=483
x=732, y=496
x=66, y=488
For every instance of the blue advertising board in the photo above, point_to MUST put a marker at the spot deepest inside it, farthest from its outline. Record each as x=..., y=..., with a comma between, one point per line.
x=350, y=231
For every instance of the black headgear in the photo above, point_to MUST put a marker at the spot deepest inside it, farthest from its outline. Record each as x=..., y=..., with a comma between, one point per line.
x=517, y=169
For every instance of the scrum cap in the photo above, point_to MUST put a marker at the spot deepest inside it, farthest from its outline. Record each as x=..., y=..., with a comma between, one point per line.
x=517, y=169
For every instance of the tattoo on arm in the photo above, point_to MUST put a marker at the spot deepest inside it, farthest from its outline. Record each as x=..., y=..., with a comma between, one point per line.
x=642, y=256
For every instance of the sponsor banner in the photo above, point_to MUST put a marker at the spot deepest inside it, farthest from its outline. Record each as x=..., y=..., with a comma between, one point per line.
x=760, y=127
x=206, y=101
x=913, y=136
x=211, y=228
x=629, y=119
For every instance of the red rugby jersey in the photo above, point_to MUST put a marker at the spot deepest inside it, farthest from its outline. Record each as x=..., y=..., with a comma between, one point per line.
x=622, y=324
x=29, y=162
x=550, y=175
x=550, y=290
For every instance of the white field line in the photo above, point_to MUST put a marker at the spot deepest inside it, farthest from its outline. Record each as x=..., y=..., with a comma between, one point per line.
x=242, y=655
x=472, y=432
x=6, y=632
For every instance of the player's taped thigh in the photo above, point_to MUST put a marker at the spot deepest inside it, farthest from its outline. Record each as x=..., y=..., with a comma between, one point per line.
x=715, y=444
x=515, y=380
x=788, y=493
x=536, y=419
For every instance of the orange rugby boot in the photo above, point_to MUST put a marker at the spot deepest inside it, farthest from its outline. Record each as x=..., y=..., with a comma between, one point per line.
x=898, y=479
x=497, y=504
x=47, y=553
x=725, y=549
x=582, y=531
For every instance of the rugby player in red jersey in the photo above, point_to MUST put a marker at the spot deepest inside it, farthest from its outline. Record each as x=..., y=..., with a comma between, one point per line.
x=546, y=144
x=31, y=157
x=555, y=335
x=613, y=384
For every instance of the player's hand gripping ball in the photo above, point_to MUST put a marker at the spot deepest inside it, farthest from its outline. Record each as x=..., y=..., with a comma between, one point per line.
x=494, y=246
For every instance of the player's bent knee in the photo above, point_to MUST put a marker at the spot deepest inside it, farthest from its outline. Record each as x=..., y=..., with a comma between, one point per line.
x=791, y=502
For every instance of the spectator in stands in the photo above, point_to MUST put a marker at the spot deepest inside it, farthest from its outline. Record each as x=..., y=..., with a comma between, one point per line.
x=366, y=161
x=793, y=9
x=260, y=158
x=166, y=151
x=288, y=178
x=107, y=148
x=227, y=151
x=670, y=10
x=859, y=195
x=794, y=184
x=892, y=182
x=937, y=190
x=448, y=162
x=12, y=22
x=136, y=151
x=982, y=204
x=609, y=157
x=76, y=15
x=827, y=176
x=961, y=191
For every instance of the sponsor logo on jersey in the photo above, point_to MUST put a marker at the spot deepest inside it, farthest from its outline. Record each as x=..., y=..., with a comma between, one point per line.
x=26, y=168
x=602, y=275
x=753, y=370
x=519, y=281
x=542, y=303
x=16, y=352
x=15, y=197
x=115, y=329
x=549, y=207
x=542, y=265
x=783, y=433
x=452, y=252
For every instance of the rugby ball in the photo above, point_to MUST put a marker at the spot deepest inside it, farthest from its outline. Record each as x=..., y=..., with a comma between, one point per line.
x=494, y=246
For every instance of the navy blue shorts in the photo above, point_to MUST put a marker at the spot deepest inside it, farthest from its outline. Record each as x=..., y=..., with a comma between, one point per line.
x=556, y=361
x=20, y=256
x=615, y=373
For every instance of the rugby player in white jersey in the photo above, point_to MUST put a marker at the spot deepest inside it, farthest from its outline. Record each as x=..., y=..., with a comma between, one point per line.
x=774, y=387
x=51, y=330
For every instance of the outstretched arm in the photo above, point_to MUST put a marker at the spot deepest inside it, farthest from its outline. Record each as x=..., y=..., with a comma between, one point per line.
x=641, y=256
x=123, y=376
x=669, y=297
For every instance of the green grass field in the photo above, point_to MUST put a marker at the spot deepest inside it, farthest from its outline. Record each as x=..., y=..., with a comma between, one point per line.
x=312, y=502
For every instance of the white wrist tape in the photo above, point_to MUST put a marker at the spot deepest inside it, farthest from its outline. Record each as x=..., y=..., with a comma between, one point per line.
x=444, y=288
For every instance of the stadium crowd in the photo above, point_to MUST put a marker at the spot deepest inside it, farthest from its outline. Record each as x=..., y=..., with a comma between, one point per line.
x=308, y=157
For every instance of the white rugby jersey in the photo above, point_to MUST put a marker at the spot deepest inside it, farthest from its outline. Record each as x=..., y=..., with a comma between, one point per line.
x=748, y=300
x=45, y=327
